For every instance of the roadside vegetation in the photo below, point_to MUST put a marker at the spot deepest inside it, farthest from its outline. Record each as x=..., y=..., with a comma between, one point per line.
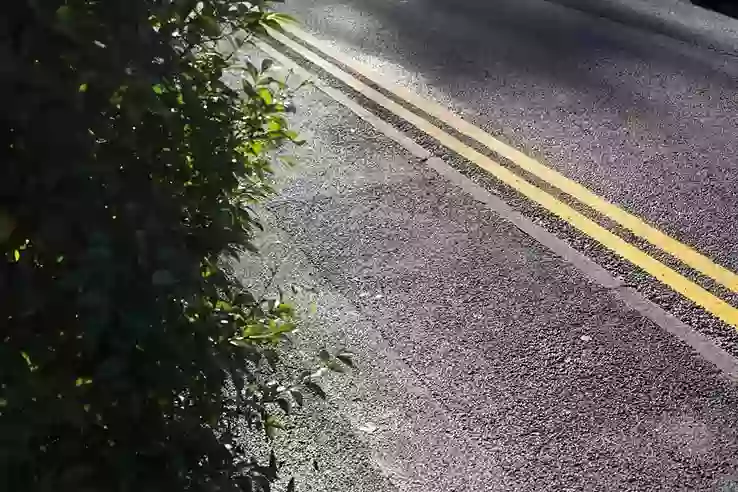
x=131, y=359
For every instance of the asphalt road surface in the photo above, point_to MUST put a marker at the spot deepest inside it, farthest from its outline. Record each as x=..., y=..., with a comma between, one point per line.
x=488, y=361
x=637, y=100
x=485, y=361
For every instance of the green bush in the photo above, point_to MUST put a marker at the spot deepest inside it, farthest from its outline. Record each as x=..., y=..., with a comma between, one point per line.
x=128, y=171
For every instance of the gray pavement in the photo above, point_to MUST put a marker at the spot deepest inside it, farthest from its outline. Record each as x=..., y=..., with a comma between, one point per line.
x=636, y=99
x=486, y=362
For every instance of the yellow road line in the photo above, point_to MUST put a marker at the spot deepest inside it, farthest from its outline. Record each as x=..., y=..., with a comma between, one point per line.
x=637, y=226
x=671, y=278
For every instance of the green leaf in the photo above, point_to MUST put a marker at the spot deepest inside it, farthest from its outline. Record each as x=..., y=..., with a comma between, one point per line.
x=273, y=421
x=210, y=26
x=274, y=125
x=284, y=327
x=271, y=425
x=266, y=95
x=27, y=358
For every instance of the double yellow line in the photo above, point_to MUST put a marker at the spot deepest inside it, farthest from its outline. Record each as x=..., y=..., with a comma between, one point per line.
x=680, y=251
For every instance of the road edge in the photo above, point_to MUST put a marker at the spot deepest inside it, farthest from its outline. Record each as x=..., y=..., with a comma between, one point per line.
x=700, y=343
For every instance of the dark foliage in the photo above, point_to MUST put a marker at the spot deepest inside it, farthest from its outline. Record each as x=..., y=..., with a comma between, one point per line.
x=128, y=170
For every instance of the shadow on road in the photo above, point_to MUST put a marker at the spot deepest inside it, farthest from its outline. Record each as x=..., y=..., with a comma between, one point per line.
x=655, y=17
x=643, y=119
x=726, y=7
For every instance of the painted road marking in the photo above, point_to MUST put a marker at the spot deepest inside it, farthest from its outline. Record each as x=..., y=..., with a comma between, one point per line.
x=597, y=274
x=636, y=225
x=666, y=275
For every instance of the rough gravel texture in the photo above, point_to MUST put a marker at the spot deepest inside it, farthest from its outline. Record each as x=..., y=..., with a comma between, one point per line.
x=635, y=99
x=719, y=332
x=486, y=362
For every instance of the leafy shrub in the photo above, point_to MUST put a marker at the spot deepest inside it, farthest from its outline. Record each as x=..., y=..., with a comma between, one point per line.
x=128, y=170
